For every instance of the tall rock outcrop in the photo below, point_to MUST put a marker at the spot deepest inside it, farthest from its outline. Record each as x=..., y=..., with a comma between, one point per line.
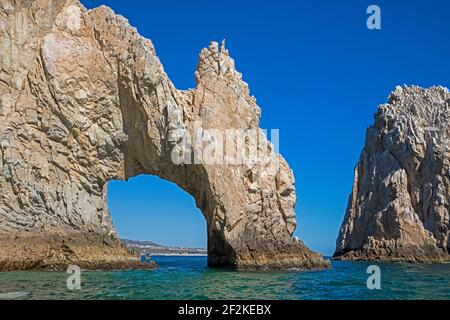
x=85, y=100
x=399, y=206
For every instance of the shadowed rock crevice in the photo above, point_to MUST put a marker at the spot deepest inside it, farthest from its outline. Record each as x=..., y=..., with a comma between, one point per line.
x=85, y=100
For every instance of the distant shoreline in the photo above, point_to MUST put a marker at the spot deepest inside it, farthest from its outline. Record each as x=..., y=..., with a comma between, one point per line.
x=154, y=249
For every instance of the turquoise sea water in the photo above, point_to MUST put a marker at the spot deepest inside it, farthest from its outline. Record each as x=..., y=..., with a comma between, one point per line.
x=189, y=278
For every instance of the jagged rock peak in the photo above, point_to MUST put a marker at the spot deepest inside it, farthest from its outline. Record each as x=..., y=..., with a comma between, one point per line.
x=400, y=201
x=215, y=61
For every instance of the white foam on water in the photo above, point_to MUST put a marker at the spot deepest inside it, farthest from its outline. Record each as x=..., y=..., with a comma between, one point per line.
x=13, y=295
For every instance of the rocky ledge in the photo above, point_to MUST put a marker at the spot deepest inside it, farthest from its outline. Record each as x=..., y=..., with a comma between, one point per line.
x=85, y=100
x=58, y=252
x=400, y=202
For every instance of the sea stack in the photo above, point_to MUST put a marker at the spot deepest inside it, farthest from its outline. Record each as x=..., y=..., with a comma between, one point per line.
x=399, y=206
x=85, y=100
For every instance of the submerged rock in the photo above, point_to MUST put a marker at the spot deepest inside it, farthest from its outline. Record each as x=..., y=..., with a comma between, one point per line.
x=399, y=206
x=85, y=100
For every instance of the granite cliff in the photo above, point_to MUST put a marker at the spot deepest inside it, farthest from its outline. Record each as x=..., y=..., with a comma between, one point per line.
x=84, y=100
x=400, y=202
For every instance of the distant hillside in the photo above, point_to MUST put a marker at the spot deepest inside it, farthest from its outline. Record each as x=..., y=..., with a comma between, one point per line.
x=156, y=249
x=140, y=243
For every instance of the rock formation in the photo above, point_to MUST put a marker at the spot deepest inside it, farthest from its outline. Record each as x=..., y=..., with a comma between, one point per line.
x=400, y=203
x=85, y=100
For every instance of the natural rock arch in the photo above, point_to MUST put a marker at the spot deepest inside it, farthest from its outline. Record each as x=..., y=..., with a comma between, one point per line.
x=86, y=100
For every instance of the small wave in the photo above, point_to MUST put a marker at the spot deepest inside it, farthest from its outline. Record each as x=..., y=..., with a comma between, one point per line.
x=295, y=269
x=13, y=295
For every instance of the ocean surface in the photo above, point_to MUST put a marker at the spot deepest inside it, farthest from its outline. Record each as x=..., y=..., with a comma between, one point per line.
x=189, y=278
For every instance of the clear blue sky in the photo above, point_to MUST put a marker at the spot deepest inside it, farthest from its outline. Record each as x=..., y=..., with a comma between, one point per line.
x=318, y=74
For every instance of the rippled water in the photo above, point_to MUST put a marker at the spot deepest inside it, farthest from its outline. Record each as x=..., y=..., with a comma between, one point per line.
x=189, y=278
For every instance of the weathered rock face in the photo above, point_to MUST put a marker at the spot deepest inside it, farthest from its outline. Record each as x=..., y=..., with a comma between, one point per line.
x=400, y=203
x=85, y=100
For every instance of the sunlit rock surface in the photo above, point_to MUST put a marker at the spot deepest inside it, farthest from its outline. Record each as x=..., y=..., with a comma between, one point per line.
x=399, y=206
x=84, y=100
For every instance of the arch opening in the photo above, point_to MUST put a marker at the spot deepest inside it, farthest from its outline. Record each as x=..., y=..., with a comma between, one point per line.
x=148, y=208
